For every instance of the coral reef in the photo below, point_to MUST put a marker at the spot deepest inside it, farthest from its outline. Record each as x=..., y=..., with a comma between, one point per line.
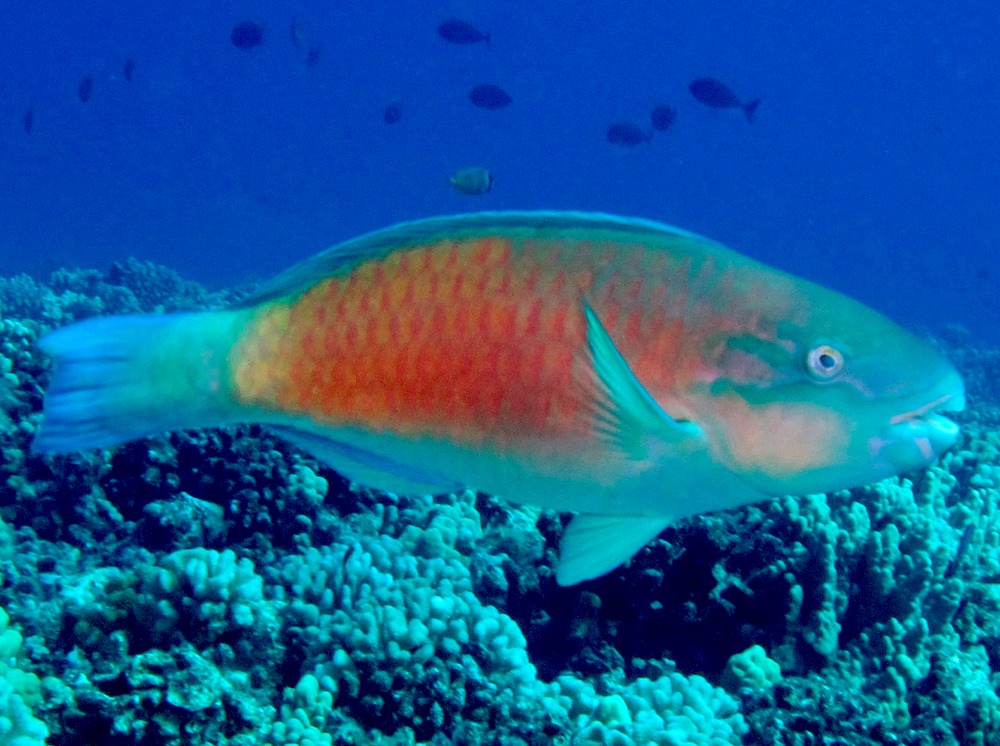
x=19, y=692
x=221, y=587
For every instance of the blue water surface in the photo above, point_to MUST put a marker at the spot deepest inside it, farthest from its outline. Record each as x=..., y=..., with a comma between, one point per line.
x=871, y=165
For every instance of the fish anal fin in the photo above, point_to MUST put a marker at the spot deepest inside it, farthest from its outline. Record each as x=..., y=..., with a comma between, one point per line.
x=594, y=545
x=368, y=467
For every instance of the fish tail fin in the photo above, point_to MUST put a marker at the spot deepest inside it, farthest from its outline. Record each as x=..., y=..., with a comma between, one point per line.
x=121, y=378
x=750, y=108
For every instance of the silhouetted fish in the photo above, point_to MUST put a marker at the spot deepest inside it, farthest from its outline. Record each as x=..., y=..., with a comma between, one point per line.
x=626, y=134
x=29, y=120
x=247, y=35
x=457, y=31
x=312, y=56
x=85, y=89
x=296, y=31
x=489, y=96
x=472, y=181
x=392, y=114
x=718, y=95
x=663, y=118
x=129, y=70
x=302, y=37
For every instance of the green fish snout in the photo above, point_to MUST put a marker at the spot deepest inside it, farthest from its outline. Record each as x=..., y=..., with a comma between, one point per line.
x=916, y=435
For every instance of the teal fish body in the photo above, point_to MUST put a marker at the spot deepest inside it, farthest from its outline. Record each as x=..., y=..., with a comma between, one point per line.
x=622, y=369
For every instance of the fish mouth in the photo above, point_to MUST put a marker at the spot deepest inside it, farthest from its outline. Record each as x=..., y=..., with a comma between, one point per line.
x=952, y=402
x=926, y=427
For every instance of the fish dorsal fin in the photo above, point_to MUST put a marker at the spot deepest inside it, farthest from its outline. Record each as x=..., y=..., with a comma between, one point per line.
x=343, y=257
x=594, y=545
x=367, y=467
x=622, y=412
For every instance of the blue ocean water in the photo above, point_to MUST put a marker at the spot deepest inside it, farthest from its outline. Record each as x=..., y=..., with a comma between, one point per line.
x=871, y=164
x=223, y=587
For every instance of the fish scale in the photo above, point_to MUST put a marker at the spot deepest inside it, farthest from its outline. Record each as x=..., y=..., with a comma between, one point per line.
x=494, y=356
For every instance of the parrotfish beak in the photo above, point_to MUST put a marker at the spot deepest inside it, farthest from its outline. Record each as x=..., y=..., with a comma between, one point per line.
x=915, y=437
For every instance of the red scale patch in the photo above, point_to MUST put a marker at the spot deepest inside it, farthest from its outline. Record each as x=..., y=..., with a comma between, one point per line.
x=473, y=341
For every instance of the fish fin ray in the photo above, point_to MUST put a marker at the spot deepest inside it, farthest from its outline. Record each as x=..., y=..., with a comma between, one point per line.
x=594, y=545
x=368, y=467
x=106, y=391
x=620, y=410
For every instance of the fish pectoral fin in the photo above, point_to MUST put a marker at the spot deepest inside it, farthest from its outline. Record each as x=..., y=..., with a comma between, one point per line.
x=594, y=545
x=622, y=411
x=368, y=467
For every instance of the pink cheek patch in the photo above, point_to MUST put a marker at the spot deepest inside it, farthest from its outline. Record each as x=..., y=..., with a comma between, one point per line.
x=783, y=439
x=877, y=445
x=926, y=450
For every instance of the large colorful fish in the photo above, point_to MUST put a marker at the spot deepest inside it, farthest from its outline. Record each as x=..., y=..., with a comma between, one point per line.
x=622, y=369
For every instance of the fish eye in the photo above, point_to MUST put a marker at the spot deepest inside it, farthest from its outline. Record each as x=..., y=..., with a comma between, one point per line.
x=824, y=362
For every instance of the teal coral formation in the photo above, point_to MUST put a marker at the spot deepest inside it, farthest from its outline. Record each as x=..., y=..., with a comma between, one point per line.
x=19, y=692
x=221, y=587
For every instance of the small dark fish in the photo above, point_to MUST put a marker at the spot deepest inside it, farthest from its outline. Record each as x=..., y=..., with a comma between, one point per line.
x=472, y=181
x=312, y=56
x=247, y=35
x=29, y=120
x=457, y=31
x=303, y=38
x=128, y=70
x=663, y=118
x=626, y=134
x=963, y=546
x=717, y=95
x=489, y=96
x=295, y=31
x=85, y=89
x=392, y=114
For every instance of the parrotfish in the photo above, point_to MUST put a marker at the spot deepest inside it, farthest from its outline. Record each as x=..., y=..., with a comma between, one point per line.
x=622, y=369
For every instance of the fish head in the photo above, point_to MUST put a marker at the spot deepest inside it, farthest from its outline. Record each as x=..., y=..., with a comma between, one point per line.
x=816, y=392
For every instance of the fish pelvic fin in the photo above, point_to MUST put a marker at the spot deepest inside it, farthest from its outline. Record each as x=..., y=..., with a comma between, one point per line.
x=122, y=378
x=750, y=108
x=594, y=545
x=623, y=413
